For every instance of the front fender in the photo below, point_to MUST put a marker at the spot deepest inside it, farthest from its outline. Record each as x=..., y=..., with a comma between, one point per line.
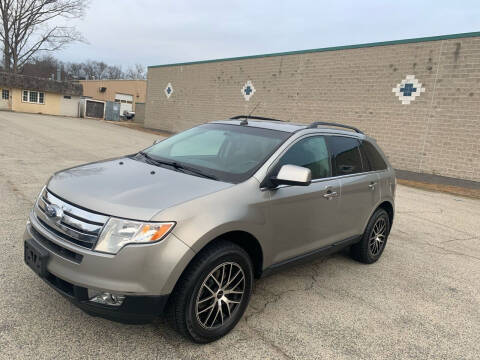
x=242, y=207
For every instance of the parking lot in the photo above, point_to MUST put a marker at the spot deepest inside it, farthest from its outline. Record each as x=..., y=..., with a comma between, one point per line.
x=420, y=301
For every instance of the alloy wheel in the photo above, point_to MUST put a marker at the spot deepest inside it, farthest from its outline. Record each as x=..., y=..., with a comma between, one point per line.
x=378, y=236
x=220, y=295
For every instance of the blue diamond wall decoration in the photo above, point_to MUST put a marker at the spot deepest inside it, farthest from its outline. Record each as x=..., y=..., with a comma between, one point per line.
x=408, y=89
x=168, y=90
x=248, y=90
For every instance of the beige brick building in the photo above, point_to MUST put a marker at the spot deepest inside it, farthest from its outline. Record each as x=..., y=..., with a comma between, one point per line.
x=127, y=92
x=434, y=130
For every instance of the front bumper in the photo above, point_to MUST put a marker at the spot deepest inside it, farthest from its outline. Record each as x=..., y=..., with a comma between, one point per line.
x=145, y=274
x=134, y=309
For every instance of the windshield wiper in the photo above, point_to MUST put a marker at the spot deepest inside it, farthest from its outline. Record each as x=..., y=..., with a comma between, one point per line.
x=193, y=170
x=178, y=166
x=148, y=157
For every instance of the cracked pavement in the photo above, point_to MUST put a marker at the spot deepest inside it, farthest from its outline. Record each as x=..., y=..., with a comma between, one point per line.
x=420, y=301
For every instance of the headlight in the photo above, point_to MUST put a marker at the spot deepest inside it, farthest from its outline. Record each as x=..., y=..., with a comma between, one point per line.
x=117, y=233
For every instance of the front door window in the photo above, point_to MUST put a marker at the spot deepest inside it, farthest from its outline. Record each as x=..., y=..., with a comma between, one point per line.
x=311, y=153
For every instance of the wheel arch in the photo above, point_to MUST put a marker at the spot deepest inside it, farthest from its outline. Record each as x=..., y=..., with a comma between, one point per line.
x=245, y=240
x=388, y=207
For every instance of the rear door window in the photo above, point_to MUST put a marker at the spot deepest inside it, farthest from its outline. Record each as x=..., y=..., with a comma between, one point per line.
x=373, y=161
x=346, y=158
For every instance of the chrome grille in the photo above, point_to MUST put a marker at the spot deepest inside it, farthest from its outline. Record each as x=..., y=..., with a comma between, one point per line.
x=71, y=223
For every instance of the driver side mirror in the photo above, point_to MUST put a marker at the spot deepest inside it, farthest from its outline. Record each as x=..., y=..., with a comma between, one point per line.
x=157, y=141
x=292, y=175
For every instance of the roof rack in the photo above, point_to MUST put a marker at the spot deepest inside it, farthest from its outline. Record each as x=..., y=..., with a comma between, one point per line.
x=317, y=123
x=246, y=117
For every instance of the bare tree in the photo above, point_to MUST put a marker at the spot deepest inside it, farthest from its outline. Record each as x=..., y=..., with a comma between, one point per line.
x=28, y=28
x=114, y=72
x=42, y=66
x=136, y=73
x=94, y=70
x=100, y=68
x=74, y=70
x=89, y=69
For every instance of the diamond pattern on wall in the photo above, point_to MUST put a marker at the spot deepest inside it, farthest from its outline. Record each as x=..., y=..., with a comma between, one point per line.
x=408, y=89
x=168, y=90
x=248, y=90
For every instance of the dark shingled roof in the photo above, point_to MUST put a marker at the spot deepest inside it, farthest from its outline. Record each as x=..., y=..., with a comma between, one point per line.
x=33, y=83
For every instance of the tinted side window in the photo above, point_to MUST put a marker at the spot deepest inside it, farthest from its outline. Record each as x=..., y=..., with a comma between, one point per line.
x=346, y=157
x=372, y=158
x=311, y=153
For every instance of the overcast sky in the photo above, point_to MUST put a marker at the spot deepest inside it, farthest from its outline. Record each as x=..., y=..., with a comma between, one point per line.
x=153, y=32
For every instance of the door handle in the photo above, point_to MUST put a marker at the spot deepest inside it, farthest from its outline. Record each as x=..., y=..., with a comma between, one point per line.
x=330, y=194
x=372, y=185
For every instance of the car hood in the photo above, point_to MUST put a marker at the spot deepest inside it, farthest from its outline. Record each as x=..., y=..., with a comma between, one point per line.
x=129, y=188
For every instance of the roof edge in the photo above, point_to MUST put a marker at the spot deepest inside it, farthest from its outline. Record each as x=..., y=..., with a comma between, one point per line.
x=98, y=80
x=26, y=82
x=333, y=48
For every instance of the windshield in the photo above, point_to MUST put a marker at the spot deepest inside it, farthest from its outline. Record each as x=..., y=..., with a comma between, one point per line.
x=228, y=153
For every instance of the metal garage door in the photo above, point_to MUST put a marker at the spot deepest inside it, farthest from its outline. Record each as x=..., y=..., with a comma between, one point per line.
x=126, y=102
x=94, y=109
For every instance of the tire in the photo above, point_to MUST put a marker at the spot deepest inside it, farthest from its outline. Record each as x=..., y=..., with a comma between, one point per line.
x=192, y=313
x=374, y=239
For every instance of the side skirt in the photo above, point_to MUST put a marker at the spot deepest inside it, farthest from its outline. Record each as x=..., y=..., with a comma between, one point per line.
x=300, y=259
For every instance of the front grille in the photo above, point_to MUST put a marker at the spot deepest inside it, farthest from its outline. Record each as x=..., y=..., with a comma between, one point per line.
x=67, y=221
x=55, y=248
x=63, y=236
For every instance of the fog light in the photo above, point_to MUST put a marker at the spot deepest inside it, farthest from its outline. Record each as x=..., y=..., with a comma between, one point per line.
x=105, y=298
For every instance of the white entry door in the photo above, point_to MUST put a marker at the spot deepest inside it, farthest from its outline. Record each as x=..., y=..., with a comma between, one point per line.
x=5, y=99
x=126, y=102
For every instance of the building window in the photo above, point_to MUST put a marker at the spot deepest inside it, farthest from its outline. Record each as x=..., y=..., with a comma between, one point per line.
x=67, y=97
x=5, y=94
x=34, y=97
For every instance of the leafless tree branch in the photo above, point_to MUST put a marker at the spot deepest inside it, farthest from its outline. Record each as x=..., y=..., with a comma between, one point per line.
x=27, y=28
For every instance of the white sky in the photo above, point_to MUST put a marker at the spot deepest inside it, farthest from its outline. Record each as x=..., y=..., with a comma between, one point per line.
x=153, y=32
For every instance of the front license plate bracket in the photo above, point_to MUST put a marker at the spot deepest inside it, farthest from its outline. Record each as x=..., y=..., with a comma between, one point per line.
x=36, y=257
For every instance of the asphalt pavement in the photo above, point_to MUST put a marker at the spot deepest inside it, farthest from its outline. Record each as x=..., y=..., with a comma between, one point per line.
x=420, y=301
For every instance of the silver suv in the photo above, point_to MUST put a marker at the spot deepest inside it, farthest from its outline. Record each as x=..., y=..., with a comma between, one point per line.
x=184, y=226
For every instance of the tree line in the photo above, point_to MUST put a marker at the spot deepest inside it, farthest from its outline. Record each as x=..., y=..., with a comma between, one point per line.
x=48, y=67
